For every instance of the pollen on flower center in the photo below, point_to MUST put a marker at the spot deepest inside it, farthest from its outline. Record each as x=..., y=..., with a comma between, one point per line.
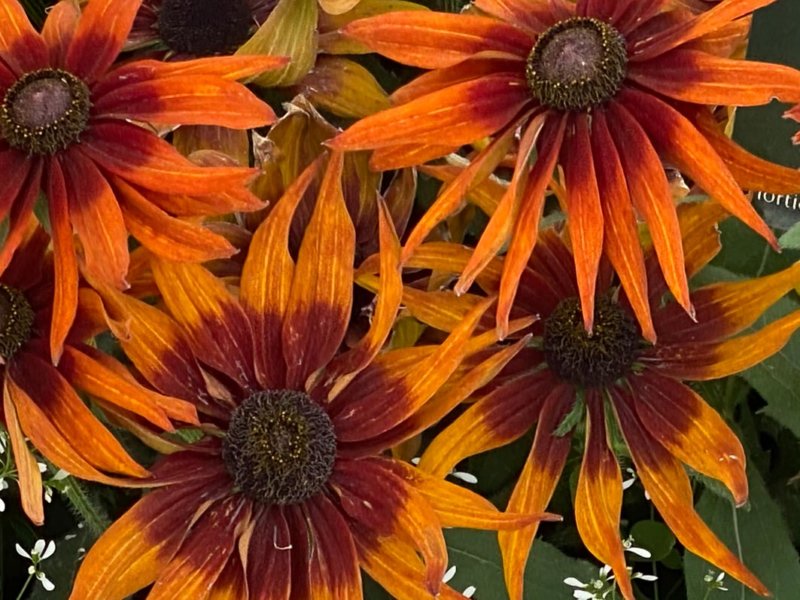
x=590, y=361
x=204, y=27
x=16, y=321
x=45, y=111
x=576, y=64
x=280, y=447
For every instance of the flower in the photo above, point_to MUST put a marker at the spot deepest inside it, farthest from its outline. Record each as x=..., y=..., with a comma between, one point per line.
x=794, y=114
x=605, y=89
x=567, y=378
x=603, y=587
x=289, y=492
x=68, y=128
x=40, y=401
x=41, y=551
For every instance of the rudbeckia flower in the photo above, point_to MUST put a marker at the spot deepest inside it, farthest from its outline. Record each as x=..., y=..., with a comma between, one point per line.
x=40, y=401
x=604, y=88
x=290, y=491
x=569, y=377
x=67, y=128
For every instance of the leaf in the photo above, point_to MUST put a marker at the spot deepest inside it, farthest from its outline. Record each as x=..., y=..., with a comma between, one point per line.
x=766, y=547
x=476, y=557
x=791, y=239
x=654, y=537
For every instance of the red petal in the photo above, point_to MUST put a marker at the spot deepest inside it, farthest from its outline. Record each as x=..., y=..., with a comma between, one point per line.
x=21, y=47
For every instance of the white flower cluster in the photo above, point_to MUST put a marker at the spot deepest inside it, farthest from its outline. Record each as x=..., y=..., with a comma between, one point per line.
x=41, y=551
x=604, y=586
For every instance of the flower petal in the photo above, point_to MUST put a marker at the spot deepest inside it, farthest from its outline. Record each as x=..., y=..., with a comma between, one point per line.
x=59, y=29
x=691, y=430
x=21, y=47
x=668, y=485
x=433, y=40
x=318, y=308
x=344, y=87
x=268, y=548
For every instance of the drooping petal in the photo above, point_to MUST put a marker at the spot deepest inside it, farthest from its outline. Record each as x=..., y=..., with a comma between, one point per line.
x=65, y=293
x=453, y=116
x=536, y=485
x=97, y=219
x=651, y=196
x=318, y=306
x=102, y=30
x=621, y=237
x=432, y=40
x=497, y=419
x=193, y=570
x=668, y=485
x=691, y=430
x=344, y=87
x=702, y=78
x=680, y=142
x=267, y=280
x=29, y=476
x=214, y=322
x=598, y=499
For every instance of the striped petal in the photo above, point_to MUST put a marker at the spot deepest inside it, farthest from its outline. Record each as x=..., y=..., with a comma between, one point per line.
x=21, y=47
x=59, y=29
x=268, y=545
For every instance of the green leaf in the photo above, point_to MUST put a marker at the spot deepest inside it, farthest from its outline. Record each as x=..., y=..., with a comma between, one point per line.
x=766, y=547
x=653, y=536
x=476, y=556
x=791, y=239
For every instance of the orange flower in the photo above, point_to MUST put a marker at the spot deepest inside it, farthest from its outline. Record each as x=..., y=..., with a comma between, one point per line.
x=65, y=129
x=606, y=89
x=568, y=376
x=290, y=492
x=794, y=114
x=40, y=401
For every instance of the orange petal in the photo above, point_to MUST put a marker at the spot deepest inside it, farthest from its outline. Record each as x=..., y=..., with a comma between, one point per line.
x=188, y=100
x=682, y=144
x=65, y=294
x=432, y=40
x=453, y=116
x=142, y=158
x=500, y=417
x=231, y=583
x=526, y=227
x=59, y=28
x=21, y=47
x=621, y=236
x=536, y=485
x=534, y=16
x=214, y=322
x=21, y=214
x=598, y=499
x=96, y=217
x=702, y=78
x=194, y=569
x=30, y=478
x=167, y=236
x=318, y=308
x=691, y=430
x=584, y=213
x=265, y=298
x=668, y=485
x=102, y=30
x=337, y=7
x=406, y=155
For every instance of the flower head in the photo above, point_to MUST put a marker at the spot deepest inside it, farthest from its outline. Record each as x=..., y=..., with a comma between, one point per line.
x=605, y=90
x=70, y=128
x=289, y=492
x=567, y=377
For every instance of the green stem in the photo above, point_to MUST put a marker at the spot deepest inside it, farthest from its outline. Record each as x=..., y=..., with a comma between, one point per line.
x=94, y=517
x=738, y=540
x=25, y=586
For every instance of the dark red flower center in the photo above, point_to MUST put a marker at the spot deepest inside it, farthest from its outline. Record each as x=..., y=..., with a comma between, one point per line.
x=590, y=360
x=280, y=447
x=45, y=111
x=204, y=27
x=16, y=321
x=576, y=64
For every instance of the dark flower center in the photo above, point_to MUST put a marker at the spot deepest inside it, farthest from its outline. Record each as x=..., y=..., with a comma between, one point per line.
x=16, y=321
x=590, y=361
x=45, y=111
x=204, y=27
x=576, y=64
x=280, y=447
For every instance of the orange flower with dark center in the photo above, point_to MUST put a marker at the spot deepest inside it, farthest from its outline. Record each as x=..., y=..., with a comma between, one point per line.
x=291, y=493
x=606, y=89
x=67, y=129
x=40, y=401
x=569, y=376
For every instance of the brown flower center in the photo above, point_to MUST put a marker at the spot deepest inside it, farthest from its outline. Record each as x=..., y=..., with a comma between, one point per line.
x=576, y=64
x=204, y=27
x=16, y=321
x=280, y=447
x=45, y=111
x=596, y=360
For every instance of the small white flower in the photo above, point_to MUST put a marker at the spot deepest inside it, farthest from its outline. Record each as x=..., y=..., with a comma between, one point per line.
x=2, y=505
x=46, y=583
x=630, y=481
x=629, y=547
x=469, y=592
x=715, y=581
x=449, y=574
x=41, y=551
x=465, y=477
x=21, y=551
x=42, y=467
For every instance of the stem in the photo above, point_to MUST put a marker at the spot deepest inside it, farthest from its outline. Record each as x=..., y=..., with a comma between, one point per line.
x=738, y=540
x=708, y=593
x=25, y=586
x=94, y=517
